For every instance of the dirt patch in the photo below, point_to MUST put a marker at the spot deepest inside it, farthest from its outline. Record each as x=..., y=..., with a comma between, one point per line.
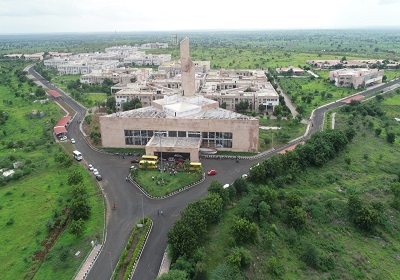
x=47, y=243
x=93, y=126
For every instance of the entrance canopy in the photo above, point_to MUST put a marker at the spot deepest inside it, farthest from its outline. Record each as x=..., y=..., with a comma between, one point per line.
x=174, y=145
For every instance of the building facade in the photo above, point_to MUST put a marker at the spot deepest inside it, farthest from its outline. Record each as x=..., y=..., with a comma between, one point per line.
x=356, y=77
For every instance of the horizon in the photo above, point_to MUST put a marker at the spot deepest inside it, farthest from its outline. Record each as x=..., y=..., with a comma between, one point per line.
x=370, y=28
x=47, y=16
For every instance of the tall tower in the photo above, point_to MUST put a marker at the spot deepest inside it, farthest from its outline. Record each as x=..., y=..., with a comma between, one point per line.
x=175, y=39
x=187, y=69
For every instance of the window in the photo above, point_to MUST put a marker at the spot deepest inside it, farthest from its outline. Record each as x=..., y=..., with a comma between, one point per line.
x=182, y=134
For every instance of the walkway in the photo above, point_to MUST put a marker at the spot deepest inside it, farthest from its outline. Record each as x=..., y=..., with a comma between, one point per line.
x=87, y=265
x=165, y=264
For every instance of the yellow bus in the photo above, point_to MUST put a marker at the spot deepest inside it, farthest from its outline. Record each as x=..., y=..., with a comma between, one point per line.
x=194, y=166
x=151, y=164
x=150, y=158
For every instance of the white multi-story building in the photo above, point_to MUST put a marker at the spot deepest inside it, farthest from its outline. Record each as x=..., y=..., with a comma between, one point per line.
x=85, y=67
x=356, y=77
x=119, y=75
x=143, y=59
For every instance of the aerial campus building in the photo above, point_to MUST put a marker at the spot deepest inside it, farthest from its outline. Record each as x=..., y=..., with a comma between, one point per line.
x=356, y=77
x=181, y=123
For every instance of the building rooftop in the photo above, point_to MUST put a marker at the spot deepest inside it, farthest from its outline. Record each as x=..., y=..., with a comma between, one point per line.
x=153, y=112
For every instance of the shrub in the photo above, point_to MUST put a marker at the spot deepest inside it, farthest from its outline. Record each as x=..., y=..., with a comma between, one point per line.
x=274, y=267
x=240, y=258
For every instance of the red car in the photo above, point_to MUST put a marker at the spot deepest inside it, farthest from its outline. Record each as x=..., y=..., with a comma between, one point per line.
x=212, y=172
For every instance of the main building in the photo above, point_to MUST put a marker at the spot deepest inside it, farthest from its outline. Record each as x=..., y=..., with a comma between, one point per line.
x=186, y=122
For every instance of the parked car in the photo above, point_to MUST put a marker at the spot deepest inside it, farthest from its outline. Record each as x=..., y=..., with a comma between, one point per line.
x=90, y=167
x=72, y=140
x=98, y=177
x=63, y=138
x=132, y=167
x=96, y=172
x=211, y=172
x=135, y=160
x=245, y=176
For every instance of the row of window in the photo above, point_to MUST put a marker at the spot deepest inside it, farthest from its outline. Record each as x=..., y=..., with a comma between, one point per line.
x=209, y=139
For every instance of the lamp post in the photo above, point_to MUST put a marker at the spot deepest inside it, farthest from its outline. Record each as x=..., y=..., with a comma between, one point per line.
x=159, y=133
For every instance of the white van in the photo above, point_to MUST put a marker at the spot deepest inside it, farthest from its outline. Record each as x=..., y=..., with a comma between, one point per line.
x=77, y=155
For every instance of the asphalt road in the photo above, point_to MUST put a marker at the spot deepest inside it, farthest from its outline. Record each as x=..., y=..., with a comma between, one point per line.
x=130, y=201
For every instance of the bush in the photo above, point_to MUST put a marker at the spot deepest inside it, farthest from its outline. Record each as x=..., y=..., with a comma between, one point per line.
x=311, y=254
x=274, y=267
x=240, y=258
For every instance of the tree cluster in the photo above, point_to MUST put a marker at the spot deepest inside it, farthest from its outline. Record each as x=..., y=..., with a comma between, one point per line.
x=189, y=231
x=321, y=147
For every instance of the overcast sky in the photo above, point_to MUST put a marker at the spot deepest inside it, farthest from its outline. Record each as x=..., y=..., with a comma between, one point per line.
x=39, y=16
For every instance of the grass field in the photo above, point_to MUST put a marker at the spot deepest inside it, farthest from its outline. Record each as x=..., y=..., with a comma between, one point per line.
x=37, y=193
x=171, y=182
x=352, y=253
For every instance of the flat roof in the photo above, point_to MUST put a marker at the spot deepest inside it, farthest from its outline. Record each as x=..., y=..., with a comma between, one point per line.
x=54, y=93
x=174, y=142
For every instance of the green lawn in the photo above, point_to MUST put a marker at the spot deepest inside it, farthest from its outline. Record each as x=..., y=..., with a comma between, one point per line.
x=171, y=182
x=46, y=193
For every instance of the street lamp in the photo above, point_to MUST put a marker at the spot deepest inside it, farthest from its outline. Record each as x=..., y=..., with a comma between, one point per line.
x=159, y=134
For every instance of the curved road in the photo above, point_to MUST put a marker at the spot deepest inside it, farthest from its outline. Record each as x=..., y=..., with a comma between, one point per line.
x=129, y=199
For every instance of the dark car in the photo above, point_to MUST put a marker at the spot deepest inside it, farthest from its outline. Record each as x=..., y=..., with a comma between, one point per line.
x=99, y=178
x=135, y=160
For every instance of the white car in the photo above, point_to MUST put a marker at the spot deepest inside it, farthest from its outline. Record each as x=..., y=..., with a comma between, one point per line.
x=72, y=140
x=63, y=138
x=90, y=167
x=96, y=172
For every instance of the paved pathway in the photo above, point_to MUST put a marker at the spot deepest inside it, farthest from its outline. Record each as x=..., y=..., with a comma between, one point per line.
x=87, y=265
x=165, y=264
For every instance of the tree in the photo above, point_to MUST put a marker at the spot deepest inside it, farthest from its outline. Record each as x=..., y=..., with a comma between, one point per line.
x=174, y=275
x=223, y=105
x=78, y=227
x=110, y=103
x=296, y=217
x=75, y=178
x=240, y=185
x=378, y=131
x=64, y=159
x=390, y=137
x=262, y=107
x=79, y=208
x=366, y=218
x=293, y=200
x=79, y=191
x=217, y=188
x=244, y=231
x=240, y=258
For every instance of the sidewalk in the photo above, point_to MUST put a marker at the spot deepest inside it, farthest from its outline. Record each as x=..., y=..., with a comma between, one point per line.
x=165, y=264
x=85, y=268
